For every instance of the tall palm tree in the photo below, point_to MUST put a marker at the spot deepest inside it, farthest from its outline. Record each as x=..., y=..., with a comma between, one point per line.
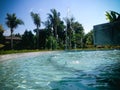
x=48, y=27
x=54, y=18
x=13, y=22
x=69, y=29
x=112, y=16
x=37, y=22
x=47, y=24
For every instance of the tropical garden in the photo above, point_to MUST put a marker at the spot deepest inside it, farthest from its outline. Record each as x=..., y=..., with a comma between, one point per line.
x=57, y=34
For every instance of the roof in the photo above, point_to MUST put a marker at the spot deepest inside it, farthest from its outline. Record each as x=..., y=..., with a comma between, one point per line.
x=14, y=38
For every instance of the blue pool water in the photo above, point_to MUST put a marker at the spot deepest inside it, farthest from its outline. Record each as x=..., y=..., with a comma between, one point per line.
x=64, y=70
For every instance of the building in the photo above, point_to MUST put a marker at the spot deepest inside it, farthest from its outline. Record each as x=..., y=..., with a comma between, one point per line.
x=107, y=34
x=15, y=39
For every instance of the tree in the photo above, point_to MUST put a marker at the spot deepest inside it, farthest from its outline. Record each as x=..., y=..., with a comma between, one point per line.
x=37, y=22
x=51, y=43
x=88, y=39
x=18, y=35
x=28, y=40
x=79, y=34
x=61, y=34
x=69, y=30
x=1, y=34
x=112, y=16
x=48, y=28
x=42, y=38
x=54, y=18
x=13, y=22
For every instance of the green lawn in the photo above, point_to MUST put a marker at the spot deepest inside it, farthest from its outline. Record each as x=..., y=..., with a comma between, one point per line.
x=18, y=51
x=2, y=52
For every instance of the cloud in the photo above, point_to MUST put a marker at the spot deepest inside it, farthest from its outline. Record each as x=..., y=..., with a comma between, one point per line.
x=6, y=32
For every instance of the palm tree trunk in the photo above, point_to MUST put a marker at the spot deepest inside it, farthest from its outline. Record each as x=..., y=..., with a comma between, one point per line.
x=70, y=41
x=11, y=39
x=37, y=34
x=66, y=40
x=56, y=33
x=81, y=41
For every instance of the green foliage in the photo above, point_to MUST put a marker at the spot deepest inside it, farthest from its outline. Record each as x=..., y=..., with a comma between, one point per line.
x=78, y=28
x=78, y=41
x=2, y=38
x=12, y=22
x=55, y=27
x=88, y=39
x=79, y=34
x=112, y=16
x=51, y=43
x=37, y=22
x=53, y=36
x=60, y=30
x=42, y=38
x=36, y=19
x=17, y=35
x=75, y=33
x=28, y=40
x=54, y=44
x=70, y=31
x=54, y=18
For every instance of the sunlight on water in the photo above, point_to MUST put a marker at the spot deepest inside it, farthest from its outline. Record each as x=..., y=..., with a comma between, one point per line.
x=86, y=70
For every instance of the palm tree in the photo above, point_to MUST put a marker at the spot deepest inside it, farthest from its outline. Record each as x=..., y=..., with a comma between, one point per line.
x=54, y=18
x=37, y=22
x=48, y=26
x=13, y=22
x=69, y=29
x=112, y=16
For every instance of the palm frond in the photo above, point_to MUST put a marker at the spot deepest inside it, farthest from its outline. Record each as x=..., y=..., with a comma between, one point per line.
x=36, y=19
x=112, y=16
x=109, y=17
x=13, y=21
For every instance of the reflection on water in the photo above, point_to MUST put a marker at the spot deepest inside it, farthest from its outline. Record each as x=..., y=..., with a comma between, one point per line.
x=80, y=70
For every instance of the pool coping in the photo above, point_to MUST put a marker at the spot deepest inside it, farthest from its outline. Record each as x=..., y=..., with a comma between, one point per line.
x=17, y=55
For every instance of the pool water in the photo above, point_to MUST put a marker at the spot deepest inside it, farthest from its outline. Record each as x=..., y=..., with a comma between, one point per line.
x=64, y=70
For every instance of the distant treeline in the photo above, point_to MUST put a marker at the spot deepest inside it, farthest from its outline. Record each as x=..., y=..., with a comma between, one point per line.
x=57, y=34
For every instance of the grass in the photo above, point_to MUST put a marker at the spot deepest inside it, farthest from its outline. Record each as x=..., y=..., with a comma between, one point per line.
x=2, y=52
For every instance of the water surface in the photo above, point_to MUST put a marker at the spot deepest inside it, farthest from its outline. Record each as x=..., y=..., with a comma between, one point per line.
x=79, y=70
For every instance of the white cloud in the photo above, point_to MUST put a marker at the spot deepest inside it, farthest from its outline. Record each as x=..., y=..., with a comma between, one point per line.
x=6, y=33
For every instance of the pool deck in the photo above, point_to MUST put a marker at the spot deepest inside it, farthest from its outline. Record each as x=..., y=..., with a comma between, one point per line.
x=17, y=55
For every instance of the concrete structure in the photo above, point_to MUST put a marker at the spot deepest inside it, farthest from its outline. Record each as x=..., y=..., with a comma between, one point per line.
x=15, y=39
x=8, y=38
x=107, y=34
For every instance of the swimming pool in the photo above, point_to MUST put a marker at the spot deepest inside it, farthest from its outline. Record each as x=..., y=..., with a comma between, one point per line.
x=61, y=70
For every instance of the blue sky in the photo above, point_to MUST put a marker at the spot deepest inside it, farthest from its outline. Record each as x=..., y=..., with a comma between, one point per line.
x=86, y=12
